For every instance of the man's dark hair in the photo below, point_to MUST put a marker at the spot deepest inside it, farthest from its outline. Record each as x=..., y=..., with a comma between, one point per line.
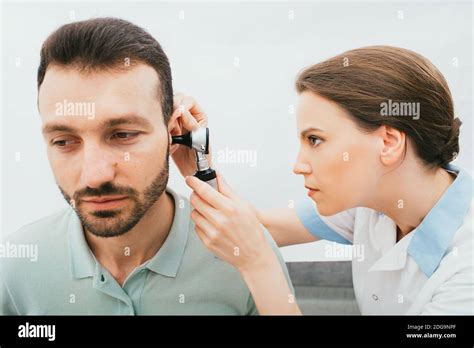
x=107, y=43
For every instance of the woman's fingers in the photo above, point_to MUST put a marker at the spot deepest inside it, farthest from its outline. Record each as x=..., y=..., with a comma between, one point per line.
x=206, y=211
x=226, y=225
x=194, y=108
x=224, y=188
x=193, y=114
x=208, y=194
x=189, y=122
x=203, y=224
x=202, y=236
x=212, y=238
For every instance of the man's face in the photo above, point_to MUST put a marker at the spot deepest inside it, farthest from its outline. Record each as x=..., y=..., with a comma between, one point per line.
x=106, y=140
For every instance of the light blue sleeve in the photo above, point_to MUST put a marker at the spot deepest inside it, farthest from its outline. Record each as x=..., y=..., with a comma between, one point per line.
x=337, y=228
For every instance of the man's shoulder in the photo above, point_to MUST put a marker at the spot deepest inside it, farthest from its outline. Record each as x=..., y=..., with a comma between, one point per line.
x=33, y=260
x=197, y=257
x=42, y=230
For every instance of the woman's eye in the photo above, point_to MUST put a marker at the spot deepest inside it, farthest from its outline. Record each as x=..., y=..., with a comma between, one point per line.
x=314, y=140
x=125, y=135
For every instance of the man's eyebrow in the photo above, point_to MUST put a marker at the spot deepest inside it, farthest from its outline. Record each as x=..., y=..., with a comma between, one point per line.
x=129, y=119
x=54, y=127
x=111, y=122
x=309, y=130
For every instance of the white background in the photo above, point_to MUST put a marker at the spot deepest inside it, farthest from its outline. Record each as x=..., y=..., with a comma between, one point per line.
x=239, y=60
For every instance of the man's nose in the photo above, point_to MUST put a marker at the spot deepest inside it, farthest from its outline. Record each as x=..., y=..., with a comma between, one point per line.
x=98, y=167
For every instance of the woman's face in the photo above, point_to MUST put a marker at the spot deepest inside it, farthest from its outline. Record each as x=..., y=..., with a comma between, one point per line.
x=340, y=163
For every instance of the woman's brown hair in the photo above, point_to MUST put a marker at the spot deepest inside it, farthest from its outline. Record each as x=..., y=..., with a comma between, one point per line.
x=377, y=85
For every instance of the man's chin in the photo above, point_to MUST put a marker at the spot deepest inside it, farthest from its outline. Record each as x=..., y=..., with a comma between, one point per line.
x=107, y=223
x=105, y=214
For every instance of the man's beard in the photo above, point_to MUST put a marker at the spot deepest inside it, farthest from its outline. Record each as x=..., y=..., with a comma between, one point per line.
x=115, y=222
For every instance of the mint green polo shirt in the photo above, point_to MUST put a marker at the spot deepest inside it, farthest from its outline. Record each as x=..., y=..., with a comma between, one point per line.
x=183, y=277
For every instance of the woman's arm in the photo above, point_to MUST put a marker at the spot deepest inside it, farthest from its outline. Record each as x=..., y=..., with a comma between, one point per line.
x=268, y=286
x=285, y=226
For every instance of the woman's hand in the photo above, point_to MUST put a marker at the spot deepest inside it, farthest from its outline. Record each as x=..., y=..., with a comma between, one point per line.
x=228, y=226
x=191, y=117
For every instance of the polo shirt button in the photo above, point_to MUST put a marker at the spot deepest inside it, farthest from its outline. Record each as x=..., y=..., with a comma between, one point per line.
x=102, y=278
x=375, y=297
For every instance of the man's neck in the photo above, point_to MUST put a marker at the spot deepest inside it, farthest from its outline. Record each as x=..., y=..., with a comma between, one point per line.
x=121, y=255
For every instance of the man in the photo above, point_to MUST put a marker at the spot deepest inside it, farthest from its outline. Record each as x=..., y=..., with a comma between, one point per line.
x=127, y=244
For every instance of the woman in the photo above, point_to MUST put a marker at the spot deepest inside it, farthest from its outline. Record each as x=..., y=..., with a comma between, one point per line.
x=377, y=133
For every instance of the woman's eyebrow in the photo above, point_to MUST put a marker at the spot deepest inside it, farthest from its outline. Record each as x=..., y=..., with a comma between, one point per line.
x=309, y=130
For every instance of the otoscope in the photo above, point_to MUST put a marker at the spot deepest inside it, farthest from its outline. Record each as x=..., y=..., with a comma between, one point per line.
x=199, y=141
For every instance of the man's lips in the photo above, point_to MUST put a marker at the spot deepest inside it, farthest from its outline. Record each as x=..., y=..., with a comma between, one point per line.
x=103, y=199
x=105, y=202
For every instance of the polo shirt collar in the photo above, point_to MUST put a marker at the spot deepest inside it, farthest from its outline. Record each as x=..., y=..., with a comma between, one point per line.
x=166, y=261
x=82, y=259
x=433, y=236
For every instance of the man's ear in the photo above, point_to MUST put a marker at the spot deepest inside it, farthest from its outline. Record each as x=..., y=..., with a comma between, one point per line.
x=174, y=128
x=394, y=145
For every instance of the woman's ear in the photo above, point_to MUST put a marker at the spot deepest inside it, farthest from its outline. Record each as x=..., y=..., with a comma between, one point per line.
x=394, y=145
x=175, y=127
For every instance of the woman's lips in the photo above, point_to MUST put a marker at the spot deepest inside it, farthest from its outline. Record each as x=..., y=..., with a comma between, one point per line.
x=101, y=203
x=311, y=191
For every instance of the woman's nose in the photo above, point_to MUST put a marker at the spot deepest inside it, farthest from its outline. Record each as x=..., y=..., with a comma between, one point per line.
x=301, y=168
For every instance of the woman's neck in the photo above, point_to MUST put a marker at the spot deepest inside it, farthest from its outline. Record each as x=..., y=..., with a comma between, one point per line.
x=408, y=193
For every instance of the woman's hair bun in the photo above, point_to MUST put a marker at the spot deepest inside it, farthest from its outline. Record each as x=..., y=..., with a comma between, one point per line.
x=451, y=149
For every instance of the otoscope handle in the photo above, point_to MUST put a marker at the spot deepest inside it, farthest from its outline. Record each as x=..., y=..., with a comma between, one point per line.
x=209, y=176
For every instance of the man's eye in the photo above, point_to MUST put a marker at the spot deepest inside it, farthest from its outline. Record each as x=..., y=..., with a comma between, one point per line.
x=314, y=140
x=125, y=135
x=63, y=143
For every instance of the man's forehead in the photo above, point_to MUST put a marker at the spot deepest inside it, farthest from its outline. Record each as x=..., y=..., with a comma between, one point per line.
x=139, y=81
x=105, y=97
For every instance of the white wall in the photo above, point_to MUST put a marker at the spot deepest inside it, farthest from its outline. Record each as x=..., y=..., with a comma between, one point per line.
x=239, y=60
